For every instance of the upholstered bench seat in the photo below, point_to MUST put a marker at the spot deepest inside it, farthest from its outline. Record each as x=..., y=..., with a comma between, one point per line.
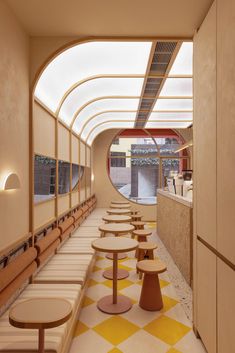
x=69, y=269
x=14, y=340
x=86, y=232
x=77, y=246
x=92, y=222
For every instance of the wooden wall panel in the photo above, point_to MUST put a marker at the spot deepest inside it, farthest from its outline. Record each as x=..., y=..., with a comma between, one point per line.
x=88, y=157
x=44, y=213
x=74, y=198
x=82, y=153
x=226, y=308
x=44, y=132
x=75, y=149
x=205, y=127
x=226, y=128
x=63, y=204
x=63, y=143
x=82, y=194
x=206, y=296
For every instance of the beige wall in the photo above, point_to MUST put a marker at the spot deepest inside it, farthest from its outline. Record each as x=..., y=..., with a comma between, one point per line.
x=41, y=49
x=214, y=167
x=14, y=126
x=103, y=188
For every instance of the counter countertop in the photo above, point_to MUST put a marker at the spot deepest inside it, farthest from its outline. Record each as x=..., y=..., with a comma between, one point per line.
x=184, y=200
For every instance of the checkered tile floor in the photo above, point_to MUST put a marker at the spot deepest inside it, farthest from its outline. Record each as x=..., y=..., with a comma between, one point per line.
x=137, y=331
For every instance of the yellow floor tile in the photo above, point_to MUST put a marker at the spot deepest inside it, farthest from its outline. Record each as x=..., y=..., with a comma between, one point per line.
x=173, y=350
x=87, y=301
x=96, y=268
x=115, y=350
x=123, y=267
x=116, y=329
x=167, y=330
x=168, y=303
x=99, y=258
x=92, y=282
x=163, y=283
x=124, y=283
x=80, y=328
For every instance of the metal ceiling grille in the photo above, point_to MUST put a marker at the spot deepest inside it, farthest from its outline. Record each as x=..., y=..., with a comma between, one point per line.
x=159, y=65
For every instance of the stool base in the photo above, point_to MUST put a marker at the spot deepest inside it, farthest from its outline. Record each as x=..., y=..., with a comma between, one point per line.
x=106, y=304
x=151, y=297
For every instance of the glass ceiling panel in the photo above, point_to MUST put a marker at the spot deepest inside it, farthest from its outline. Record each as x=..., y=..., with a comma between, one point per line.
x=183, y=64
x=166, y=125
x=102, y=106
x=89, y=59
x=106, y=126
x=173, y=104
x=171, y=116
x=105, y=117
x=177, y=87
x=96, y=88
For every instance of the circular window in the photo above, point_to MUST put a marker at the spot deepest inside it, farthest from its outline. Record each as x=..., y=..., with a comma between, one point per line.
x=139, y=162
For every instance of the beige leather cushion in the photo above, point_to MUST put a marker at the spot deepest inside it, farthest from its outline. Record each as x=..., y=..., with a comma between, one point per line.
x=86, y=232
x=23, y=340
x=77, y=246
x=60, y=269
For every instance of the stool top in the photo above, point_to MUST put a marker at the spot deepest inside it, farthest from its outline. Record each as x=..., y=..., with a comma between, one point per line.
x=138, y=223
x=119, y=206
x=114, y=245
x=142, y=232
x=118, y=211
x=116, y=218
x=151, y=266
x=146, y=245
x=120, y=202
x=116, y=228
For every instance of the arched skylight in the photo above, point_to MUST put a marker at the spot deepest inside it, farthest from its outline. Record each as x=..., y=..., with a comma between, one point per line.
x=99, y=85
x=183, y=64
x=107, y=126
x=89, y=59
x=106, y=117
x=98, y=107
x=98, y=88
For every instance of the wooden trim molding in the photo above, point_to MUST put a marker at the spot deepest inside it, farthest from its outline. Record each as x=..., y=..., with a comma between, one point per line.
x=217, y=253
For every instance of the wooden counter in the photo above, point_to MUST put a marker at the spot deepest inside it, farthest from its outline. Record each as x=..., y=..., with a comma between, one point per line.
x=175, y=228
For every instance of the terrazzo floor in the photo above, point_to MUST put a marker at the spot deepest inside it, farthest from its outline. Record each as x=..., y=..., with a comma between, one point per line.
x=137, y=331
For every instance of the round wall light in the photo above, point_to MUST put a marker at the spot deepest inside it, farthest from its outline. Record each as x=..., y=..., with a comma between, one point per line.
x=11, y=182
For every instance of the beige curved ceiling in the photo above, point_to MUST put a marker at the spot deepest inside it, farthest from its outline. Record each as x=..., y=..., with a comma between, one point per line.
x=157, y=18
x=100, y=84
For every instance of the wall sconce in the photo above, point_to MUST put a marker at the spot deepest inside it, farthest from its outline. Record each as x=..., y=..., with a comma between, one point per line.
x=11, y=182
x=92, y=177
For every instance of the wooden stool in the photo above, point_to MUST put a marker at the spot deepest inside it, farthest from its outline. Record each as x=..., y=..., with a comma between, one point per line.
x=145, y=251
x=138, y=224
x=141, y=235
x=151, y=297
x=136, y=217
